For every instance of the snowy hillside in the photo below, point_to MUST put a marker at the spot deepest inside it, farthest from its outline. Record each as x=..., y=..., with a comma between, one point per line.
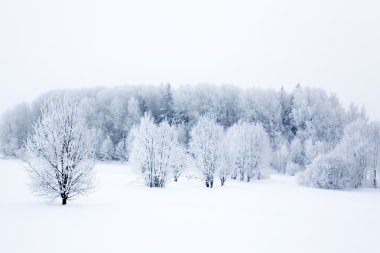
x=123, y=215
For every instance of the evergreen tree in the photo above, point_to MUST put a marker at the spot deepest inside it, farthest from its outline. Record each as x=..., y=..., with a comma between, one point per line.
x=166, y=105
x=288, y=130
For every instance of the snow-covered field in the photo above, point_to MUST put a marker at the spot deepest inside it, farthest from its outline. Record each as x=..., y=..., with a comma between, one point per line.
x=274, y=215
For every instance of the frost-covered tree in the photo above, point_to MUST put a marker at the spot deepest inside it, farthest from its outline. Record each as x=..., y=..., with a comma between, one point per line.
x=122, y=148
x=374, y=153
x=226, y=166
x=355, y=148
x=297, y=159
x=280, y=159
x=117, y=111
x=166, y=105
x=250, y=148
x=134, y=112
x=331, y=171
x=14, y=127
x=314, y=148
x=59, y=151
x=287, y=127
x=181, y=161
x=227, y=110
x=106, y=149
x=98, y=139
x=317, y=116
x=351, y=164
x=263, y=107
x=354, y=113
x=154, y=150
x=205, y=146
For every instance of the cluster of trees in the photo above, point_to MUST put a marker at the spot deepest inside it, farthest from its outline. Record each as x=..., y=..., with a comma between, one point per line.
x=224, y=131
x=352, y=163
x=157, y=152
x=302, y=114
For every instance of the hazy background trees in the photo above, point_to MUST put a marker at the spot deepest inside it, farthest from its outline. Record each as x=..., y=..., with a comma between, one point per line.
x=301, y=124
x=14, y=128
x=352, y=163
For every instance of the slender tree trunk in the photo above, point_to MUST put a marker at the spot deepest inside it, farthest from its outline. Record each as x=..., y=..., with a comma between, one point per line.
x=241, y=176
x=64, y=200
x=211, y=183
x=374, y=179
x=222, y=180
x=207, y=185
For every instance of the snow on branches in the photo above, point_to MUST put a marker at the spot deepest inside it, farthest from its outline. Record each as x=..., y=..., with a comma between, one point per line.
x=59, y=151
x=156, y=151
x=249, y=149
x=353, y=163
x=206, y=147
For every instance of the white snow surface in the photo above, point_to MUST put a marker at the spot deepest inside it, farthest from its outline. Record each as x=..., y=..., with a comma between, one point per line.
x=123, y=215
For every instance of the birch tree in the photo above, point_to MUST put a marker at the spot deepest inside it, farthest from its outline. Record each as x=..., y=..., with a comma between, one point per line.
x=181, y=161
x=226, y=166
x=375, y=152
x=154, y=150
x=280, y=159
x=250, y=147
x=205, y=146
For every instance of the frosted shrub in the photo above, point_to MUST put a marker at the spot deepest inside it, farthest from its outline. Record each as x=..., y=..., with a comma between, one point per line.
x=280, y=159
x=328, y=172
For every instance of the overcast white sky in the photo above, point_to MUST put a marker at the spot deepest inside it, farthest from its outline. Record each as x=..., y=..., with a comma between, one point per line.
x=332, y=44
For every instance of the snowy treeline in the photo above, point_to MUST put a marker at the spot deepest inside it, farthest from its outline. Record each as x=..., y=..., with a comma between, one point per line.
x=226, y=131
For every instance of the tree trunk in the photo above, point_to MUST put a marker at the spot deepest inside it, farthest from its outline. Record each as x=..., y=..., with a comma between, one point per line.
x=207, y=185
x=222, y=180
x=374, y=179
x=211, y=183
x=248, y=179
x=64, y=200
x=242, y=177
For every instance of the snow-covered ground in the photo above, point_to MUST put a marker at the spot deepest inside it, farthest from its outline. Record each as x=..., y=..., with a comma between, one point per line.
x=122, y=215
